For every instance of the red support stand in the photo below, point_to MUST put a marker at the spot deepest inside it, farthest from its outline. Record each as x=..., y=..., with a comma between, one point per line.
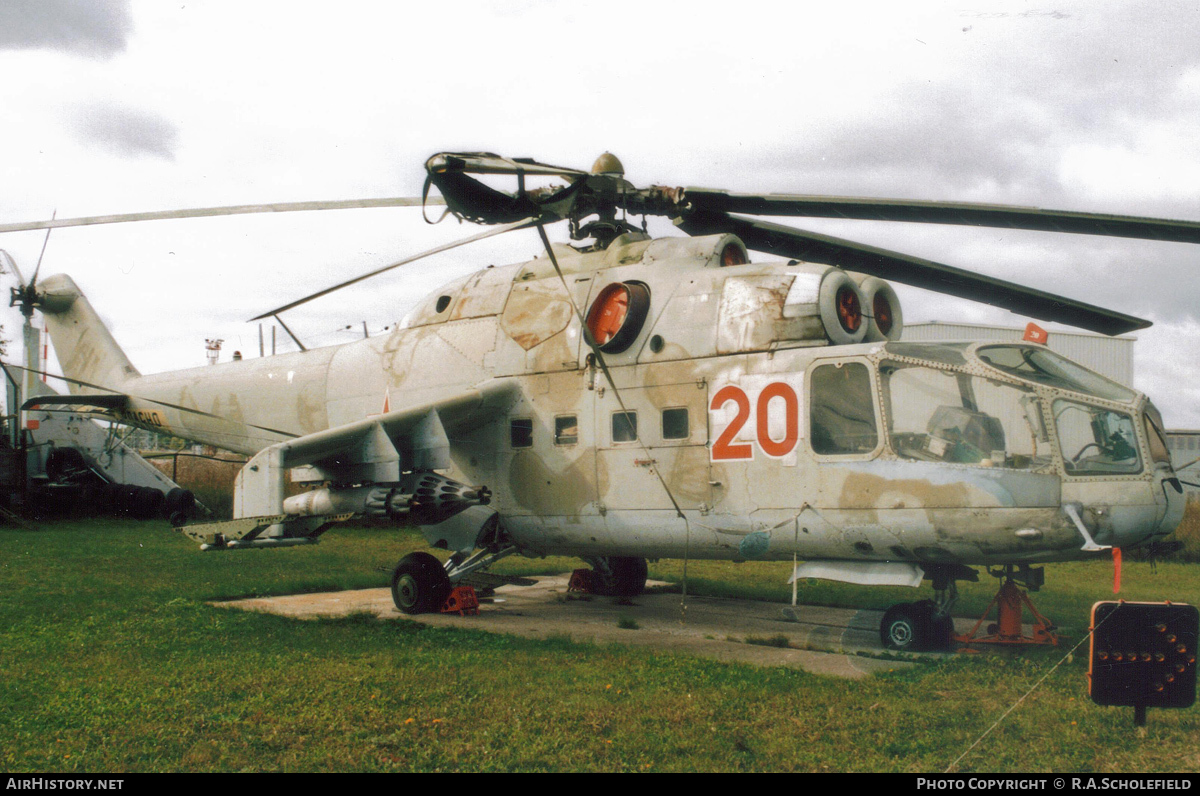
x=462, y=601
x=582, y=580
x=1010, y=601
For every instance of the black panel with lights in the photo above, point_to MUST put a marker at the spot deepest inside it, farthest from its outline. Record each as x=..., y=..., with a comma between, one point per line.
x=1143, y=654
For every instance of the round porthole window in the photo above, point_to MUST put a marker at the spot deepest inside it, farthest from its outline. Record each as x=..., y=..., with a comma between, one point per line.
x=617, y=315
x=733, y=254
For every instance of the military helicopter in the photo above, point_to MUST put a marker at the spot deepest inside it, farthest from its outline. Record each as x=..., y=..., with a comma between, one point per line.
x=625, y=398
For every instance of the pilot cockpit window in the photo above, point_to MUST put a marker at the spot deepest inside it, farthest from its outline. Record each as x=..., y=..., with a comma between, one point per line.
x=1095, y=440
x=842, y=410
x=947, y=416
x=1048, y=368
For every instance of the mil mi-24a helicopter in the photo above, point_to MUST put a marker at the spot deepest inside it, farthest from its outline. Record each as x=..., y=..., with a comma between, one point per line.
x=633, y=398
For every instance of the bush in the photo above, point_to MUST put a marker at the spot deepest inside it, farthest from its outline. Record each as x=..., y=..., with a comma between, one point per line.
x=1188, y=531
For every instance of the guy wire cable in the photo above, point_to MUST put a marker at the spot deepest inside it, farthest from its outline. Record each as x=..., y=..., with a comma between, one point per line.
x=1014, y=705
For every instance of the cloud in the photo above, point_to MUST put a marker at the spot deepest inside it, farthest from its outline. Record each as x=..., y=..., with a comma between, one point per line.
x=85, y=27
x=125, y=131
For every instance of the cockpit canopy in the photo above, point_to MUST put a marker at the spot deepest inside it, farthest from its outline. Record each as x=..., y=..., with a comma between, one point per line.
x=1043, y=366
x=942, y=404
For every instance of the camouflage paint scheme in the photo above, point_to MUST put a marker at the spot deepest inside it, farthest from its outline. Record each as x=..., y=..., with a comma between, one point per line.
x=506, y=343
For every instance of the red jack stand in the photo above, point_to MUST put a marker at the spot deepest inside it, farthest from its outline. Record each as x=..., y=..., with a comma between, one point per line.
x=1007, y=630
x=462, y=601
x=582, y=580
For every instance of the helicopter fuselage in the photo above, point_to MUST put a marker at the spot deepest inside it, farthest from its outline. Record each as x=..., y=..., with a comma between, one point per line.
x=726, y=425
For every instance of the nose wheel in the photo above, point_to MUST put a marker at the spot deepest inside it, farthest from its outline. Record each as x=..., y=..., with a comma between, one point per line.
x=926, y=625
x=914, y=627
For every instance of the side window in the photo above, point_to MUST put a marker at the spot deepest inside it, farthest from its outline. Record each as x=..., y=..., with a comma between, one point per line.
x=675, y=423
x=520, y=432
x=566, y=430
x=842, y=410
x=624, y=427
x=1094, y=440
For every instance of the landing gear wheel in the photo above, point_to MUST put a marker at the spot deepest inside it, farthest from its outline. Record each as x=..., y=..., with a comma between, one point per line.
x=419, y=584
x=908, y=627
x=941, y=634
x=620, y=576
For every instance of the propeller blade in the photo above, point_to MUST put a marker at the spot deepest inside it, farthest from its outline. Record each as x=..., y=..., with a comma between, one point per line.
x=528, y=222
x=708, y=201
x=906, y=269
x=230, y=210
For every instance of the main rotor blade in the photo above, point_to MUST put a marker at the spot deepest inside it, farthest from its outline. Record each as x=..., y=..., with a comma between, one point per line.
x=527, y=222
x=491, y=163
x=38, y=267
x=230, y=210
x=12, y=264
x=710, y=202
x=111, y=394
x=906, y=269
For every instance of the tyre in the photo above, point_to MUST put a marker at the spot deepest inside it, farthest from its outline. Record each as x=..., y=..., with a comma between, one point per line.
x=620, y=576
x=180, y=500
x=419, y=584
x=147, y=503
x=905, y=627
x=941, y=634
x=127, y=500
x=110, y=499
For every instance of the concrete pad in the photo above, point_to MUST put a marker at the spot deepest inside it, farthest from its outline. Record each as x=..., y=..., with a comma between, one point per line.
x=820, y=640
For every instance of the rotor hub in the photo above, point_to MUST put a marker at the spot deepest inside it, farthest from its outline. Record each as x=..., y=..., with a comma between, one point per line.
x=608, y=163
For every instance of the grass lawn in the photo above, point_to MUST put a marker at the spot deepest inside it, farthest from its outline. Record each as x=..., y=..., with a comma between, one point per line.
x=111, y=661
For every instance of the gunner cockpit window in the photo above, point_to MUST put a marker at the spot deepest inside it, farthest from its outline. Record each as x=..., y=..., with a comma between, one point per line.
x=949, y=416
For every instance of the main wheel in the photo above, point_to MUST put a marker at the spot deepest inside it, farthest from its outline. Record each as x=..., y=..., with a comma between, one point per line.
x=905, y=627
x=620, y=576
x=419, y=584
x=941, y=634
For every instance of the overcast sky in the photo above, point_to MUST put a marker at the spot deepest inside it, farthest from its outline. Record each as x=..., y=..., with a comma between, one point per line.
x=129, y=106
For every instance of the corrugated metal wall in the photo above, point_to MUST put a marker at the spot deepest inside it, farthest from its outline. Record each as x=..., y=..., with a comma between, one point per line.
x=1109, y=356
x=1185, y=453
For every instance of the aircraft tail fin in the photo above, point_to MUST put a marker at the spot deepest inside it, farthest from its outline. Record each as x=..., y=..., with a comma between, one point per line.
x=86, y=349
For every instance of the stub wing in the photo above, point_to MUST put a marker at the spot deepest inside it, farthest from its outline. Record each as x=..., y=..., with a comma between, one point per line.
x=379, y=466
x=416, y=437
